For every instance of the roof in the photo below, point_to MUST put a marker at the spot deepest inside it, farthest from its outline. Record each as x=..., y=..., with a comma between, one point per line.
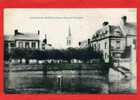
x=27, y=36
x=98, y=31
x=112, y=28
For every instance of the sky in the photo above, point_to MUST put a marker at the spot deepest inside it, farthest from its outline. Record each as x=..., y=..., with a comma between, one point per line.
x=56, y=22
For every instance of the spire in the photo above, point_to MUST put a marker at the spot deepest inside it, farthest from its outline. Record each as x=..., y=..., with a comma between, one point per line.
x=69, y=31
x=69, y=37
x=45, y=36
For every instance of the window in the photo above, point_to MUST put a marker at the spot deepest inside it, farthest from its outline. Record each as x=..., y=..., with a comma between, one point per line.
x=43, y=46
x=117, y=55
x=12, y=44
x=118, y=44
x=69, y=41
x=105, y=55
x=134, y=43
x=105, y=45
x=113, y=54
x=99, y=46
x=97, y=35
x=26, y=44
x=117, y=41
x=118, y=31
x=20, y=44
x=33, y=45
x=95, y=46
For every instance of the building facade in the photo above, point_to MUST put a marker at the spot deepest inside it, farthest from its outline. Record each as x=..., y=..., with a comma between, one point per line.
x=9, y=42
x=26, y=40
x=114, y=40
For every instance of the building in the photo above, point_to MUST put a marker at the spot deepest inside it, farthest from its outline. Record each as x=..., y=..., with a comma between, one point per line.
x=9, y=42
x=85, y=43
x=114, y=40
x=109, y=40
x=26, y=40
x=69, y=38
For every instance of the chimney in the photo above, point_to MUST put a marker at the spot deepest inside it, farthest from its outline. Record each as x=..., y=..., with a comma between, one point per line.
x=16, y=31
x=124, y=19
x=105, y=23
x=38, y=32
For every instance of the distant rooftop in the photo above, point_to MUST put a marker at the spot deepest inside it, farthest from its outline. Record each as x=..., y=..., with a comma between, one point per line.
x=27, y=36
x=101, y=31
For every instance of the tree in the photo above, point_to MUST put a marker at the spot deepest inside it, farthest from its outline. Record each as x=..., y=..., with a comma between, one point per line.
x=83, y=54
x=17, y=53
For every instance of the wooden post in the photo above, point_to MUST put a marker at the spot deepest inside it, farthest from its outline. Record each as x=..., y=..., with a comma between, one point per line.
x=59, y=82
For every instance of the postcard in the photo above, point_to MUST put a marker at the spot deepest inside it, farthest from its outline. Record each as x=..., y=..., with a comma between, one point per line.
x=70, y=50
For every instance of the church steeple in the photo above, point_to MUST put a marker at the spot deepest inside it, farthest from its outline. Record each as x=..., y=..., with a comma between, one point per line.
x=69, y=31
x=69, y=37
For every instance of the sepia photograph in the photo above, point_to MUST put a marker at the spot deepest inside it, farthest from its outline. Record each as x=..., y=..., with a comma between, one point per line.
x=70, y=51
